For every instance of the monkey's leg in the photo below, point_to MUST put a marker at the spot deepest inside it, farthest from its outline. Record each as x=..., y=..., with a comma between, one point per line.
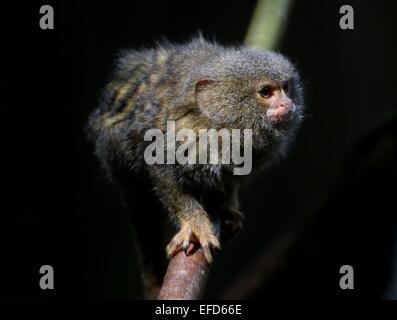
x=193, y=221
x=231, y=217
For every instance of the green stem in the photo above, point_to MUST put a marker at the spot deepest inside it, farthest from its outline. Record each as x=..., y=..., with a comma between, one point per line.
x=267, y=24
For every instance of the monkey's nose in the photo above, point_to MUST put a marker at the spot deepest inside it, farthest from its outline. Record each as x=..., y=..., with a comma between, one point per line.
x=280, y=114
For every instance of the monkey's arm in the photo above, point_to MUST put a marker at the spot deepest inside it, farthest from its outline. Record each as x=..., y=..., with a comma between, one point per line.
x=183, y=209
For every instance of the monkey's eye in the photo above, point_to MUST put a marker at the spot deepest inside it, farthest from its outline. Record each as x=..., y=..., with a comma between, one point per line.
x=265, y=92
x=286, y=87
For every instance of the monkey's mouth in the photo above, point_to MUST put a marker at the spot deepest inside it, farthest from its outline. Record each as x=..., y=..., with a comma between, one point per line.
x=281, y=115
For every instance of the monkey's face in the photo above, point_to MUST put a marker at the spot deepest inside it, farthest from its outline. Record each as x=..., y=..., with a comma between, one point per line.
x=273, y=97
x=266, y=106
x=252, y=89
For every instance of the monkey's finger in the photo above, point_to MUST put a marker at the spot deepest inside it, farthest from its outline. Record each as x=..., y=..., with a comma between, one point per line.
x=185, y=244
x=173, y=248
x=214, y=242
x=190, y=249
x=207, y=252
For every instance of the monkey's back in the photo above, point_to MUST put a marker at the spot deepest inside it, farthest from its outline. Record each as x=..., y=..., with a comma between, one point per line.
x=147, y=88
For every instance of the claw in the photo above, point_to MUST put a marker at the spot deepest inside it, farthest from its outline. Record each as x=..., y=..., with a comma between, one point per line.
x=186, y=245
x=191, y=248
x=188, y=238
x=207, y=253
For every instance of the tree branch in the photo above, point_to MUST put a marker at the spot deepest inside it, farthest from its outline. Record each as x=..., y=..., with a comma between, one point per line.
x=185, y=277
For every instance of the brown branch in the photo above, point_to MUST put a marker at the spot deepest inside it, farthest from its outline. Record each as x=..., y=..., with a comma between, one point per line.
x=185, y=277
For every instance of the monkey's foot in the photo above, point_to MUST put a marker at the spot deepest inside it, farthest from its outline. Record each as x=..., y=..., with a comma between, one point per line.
x=232, y=223
x=191, y=234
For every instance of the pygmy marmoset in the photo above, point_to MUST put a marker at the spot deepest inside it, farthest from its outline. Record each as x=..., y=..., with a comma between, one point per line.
x=198, y=85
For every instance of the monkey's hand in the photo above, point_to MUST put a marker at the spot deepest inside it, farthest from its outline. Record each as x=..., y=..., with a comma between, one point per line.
x=231, y=223
x=196, y=229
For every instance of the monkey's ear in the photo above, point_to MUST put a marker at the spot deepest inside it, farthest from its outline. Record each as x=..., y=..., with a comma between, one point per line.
x=202, y=91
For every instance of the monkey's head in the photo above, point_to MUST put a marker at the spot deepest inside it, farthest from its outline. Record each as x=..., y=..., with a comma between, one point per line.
x=251, y=89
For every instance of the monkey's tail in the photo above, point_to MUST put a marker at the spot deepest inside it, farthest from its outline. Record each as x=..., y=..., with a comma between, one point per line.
x=149, y=225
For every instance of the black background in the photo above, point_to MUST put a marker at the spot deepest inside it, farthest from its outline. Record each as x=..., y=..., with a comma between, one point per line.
x=341, y=172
